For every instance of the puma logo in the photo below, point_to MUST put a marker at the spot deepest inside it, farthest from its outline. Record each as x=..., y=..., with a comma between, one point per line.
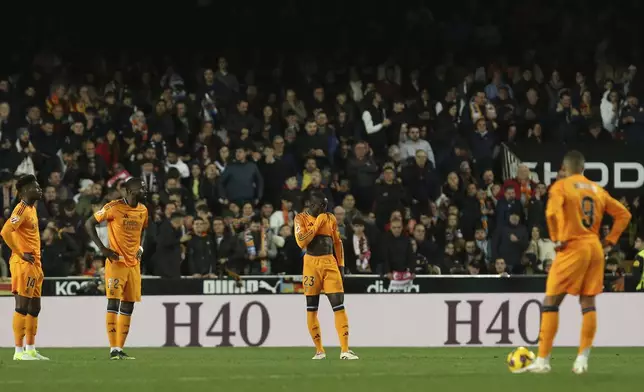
x=266, y=286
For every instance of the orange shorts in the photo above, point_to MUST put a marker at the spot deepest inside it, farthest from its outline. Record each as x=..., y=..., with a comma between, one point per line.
x=578, y=269
x=26, y=278
x=122, y=282
x=321, y=273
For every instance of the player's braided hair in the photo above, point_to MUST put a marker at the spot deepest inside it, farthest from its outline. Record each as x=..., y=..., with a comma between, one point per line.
x=23, y=181
x=20, y=185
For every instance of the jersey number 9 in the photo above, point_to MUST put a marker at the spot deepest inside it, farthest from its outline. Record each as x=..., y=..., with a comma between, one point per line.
x=588, y=212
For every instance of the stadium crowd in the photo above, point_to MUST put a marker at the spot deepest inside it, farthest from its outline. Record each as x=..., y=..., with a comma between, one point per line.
x=406, y=149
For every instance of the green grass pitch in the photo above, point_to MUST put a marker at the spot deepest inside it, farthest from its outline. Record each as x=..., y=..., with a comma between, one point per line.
x=291, y=369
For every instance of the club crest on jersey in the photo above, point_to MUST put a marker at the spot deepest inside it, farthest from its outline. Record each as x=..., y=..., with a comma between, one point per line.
x=14, y=220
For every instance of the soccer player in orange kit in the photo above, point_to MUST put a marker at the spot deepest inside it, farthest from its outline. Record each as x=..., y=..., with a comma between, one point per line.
x=22, y=235
x=317, y=232
x=574, y=213
x=127, y=220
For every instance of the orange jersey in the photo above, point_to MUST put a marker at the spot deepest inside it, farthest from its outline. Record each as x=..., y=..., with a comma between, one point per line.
x=23, y=225
x=576, y=207
x=124, y=227
x=308, y=227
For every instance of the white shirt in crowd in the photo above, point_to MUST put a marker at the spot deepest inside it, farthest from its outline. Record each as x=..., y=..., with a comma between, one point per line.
x=369, y=126
x=183, y=168
x=409, y=147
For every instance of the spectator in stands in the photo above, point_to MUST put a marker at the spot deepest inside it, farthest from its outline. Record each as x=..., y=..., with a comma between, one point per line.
x=452, y=262
x=389, y=196
x=284, y=216
x=507, y=206
x=59, y=249
x=362, y=171
x=414, y=143
x=241, y=181
x=500, y=267
x=170, y=250
x=483, y=245
x=201, y=251
x=510, y=241
x=421, y=183
x=261, y=249
x=397, y=251
x=632, y=120
x=360, y=248
x=541, y=247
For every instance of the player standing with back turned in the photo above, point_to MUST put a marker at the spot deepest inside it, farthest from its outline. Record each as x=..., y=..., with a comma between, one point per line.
x=317, y=232
x=574, y=213
x=127, y=220
x=22, y=236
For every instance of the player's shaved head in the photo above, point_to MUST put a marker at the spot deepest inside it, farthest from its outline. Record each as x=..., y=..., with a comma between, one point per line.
x=136, y=191
x=133, y=184
x=318, y=196
x=317, y=203
x=573, y=163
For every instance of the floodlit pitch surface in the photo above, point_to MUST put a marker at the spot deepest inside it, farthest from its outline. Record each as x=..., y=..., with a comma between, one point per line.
x=291, y=369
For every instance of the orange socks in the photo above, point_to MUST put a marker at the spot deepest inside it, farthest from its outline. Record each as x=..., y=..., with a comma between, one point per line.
x=110, y=320
x=31, y=328
x=588, y=329
x=549, y=326
x=19, y=322
x=122, y=329
x=314, y=329
x=342, y=327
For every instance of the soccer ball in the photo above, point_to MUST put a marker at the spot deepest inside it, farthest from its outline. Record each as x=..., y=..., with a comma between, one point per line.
x=519, y=358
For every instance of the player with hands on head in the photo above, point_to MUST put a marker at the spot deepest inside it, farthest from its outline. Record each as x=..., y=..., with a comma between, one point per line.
x=316, y=231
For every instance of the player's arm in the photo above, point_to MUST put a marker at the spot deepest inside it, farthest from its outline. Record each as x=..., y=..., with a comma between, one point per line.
x=554, y=211
x=305, y=234
x=104, y=214
x=144, y=230
x=8, y=234
x=621, y=218
x=337, y=243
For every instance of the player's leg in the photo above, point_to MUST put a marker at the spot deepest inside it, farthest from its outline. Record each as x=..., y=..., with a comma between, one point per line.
x=563, y=279
x=312, y=322
x=335, y=293
x=20, y=286
x=131, y=294
x=593, y=285
x=19, y=327
x=111, y=317
x=114, y=278
x=123, y=326
x=588, y=329
x=31, y=326
x=312, y=282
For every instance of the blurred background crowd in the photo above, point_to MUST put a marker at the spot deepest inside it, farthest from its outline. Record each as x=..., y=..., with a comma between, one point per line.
x=402, y=137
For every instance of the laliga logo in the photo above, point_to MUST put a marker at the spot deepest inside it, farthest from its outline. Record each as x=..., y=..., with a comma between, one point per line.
x=635, y=170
